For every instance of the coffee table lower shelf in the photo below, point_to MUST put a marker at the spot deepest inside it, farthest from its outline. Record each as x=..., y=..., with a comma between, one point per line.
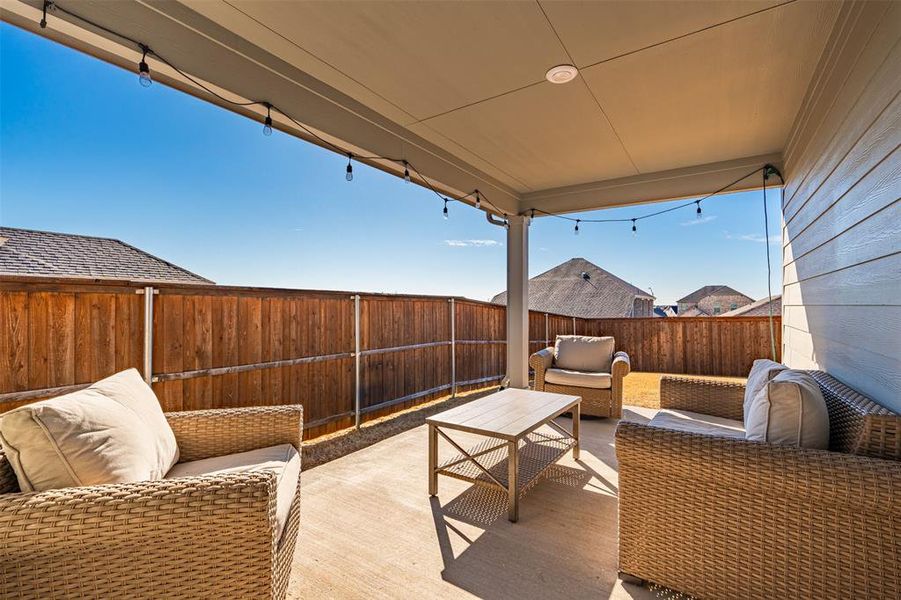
x=536, y=453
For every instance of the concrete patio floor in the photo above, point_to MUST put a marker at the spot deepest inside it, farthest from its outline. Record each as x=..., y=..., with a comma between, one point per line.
x=370, y=530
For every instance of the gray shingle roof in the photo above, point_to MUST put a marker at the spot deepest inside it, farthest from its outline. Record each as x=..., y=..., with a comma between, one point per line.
x=562, y=290
x=49, y=254
x=709, y=290
x=757, y=309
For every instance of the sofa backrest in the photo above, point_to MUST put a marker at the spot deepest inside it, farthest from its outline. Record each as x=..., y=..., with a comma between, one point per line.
x=857, y=425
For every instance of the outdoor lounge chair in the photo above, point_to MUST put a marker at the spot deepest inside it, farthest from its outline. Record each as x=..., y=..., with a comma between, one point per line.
x=221, y=524
x=718, y=516
x=587, y=367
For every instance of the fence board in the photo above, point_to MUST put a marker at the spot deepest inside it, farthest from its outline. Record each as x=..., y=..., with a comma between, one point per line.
x=218, y=346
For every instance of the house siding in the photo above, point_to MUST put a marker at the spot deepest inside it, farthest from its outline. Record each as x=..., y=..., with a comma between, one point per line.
x=841, y=214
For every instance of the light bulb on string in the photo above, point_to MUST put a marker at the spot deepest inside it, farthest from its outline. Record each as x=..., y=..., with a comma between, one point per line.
x=445, y=215
x=698, y=212
x=267, y=124
x=406, y=172
x=478, y=200
x=47, y=4
x=576, y=230
x=143, y=69
x=350, y=168
x=634, y=229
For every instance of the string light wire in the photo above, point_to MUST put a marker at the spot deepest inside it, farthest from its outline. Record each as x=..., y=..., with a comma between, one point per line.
x=480, y=197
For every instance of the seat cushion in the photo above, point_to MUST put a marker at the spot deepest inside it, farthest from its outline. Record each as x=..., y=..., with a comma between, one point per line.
x=789, y=410
x=583, y=353
x=692, y=422
x=283, y=460
x=762, y=371
x=598, y=381
x=111, y=432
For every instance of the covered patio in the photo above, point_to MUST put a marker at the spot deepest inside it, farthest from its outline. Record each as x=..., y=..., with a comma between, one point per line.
x=675, y=101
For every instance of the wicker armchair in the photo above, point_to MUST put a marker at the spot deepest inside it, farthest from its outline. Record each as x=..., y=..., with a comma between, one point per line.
x=606, y=402
x=728, y=518
x=211, y=536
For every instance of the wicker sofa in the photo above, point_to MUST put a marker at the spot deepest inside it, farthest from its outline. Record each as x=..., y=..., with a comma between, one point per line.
x=729, y=518
x=211, y=536
x=599, y=402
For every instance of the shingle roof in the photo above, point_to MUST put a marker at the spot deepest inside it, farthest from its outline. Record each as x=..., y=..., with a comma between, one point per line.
x=757, y=309
x=49, y=254
x=709, y=290
x=694, y=311
x=562, y=290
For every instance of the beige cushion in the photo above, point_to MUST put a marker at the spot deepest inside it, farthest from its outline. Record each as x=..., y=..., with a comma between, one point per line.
x=790, y=410
x=692, y=422
x=583, y=353
x=282, y=460
x=598, y=381
x=761, y=372
x=111, y=432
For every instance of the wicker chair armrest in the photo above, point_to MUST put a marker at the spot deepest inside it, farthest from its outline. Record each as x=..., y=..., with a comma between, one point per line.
x=708, y=396
x=182, y=514
x=540, y=362
x=621, y=365
x=662, y=458
x=205, y=433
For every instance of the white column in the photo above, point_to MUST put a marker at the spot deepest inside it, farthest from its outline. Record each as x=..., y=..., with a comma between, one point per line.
x=518, y=302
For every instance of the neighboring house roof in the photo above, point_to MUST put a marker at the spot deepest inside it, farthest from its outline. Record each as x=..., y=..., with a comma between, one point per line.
x=694, y=311
x=709, y=290
x=757, y=309
x=563, y=290
x=48, y=254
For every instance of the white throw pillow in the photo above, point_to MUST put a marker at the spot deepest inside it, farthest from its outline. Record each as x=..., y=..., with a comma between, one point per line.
x=762, y=371
x=789, y=410
x=111, y=432
x=584, y=353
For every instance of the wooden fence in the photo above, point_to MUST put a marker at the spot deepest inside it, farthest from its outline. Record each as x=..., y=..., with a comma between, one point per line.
x=346, y=357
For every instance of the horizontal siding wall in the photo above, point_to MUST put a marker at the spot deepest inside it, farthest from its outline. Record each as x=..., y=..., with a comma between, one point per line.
x=841, y=210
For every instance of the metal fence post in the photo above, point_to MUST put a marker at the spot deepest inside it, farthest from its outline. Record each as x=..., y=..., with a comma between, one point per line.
x=453, y=332
x=357, y=357
x=148, y=332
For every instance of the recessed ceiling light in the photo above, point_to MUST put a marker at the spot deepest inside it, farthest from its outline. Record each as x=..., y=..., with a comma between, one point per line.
x=562, y=74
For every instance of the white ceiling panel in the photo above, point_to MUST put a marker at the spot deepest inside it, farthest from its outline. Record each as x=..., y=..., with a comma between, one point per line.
x=545, y=135
x=425, y=57
x=728, y=92
x=597, y=31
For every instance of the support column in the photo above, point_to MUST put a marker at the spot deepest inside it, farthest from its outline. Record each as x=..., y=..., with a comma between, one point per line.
x=518, y=302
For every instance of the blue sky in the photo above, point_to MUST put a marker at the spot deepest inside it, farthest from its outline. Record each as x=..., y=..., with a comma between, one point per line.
x=85, y=149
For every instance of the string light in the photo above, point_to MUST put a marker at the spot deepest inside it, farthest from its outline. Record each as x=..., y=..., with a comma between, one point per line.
x=445, y=215
x=634, y=228
x=47, y=5
x=576, y=230
x=146, y=80
x=267, y=124
x=143, y=69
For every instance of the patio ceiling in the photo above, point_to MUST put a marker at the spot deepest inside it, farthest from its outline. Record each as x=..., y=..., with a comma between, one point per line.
x=672, y=100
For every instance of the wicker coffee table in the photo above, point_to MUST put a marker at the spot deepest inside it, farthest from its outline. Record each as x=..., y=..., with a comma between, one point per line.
x=514, y=455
